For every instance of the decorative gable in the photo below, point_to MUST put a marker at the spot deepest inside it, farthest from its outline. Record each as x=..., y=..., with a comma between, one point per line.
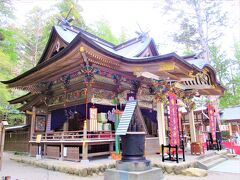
x=150, y=50
x=54, y=46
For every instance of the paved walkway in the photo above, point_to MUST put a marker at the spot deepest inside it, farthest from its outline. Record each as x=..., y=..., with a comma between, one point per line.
x=22, y=171
x=211, y=176
x=231, y=166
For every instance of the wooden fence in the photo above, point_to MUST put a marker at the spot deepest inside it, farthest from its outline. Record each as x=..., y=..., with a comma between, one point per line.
x=17, y=141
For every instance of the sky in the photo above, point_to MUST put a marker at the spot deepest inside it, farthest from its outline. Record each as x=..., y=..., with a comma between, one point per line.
x=144, y=14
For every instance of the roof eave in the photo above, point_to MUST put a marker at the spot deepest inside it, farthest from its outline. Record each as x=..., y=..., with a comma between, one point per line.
x=20, y=99
x=88, y=41
x=47, y=46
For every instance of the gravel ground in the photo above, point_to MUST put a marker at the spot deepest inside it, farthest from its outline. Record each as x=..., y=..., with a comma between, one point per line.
x=25, y=172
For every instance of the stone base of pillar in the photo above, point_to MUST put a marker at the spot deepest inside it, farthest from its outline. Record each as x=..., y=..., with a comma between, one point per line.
x=38, y=157
x=133, y=166
x=153, y=174
x=84, y=161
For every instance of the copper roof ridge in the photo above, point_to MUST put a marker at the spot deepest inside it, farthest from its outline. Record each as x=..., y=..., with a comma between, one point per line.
x=92, y=35
x=127, y=43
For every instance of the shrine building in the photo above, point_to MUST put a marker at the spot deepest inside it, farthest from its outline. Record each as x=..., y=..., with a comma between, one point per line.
x=81, y=84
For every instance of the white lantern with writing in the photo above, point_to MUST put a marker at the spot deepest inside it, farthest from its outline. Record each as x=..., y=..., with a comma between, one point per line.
x=93, y=124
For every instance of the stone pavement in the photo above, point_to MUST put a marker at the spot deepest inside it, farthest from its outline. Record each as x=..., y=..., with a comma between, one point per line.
x=211, y=176
x=231, y=166
x=22, y=171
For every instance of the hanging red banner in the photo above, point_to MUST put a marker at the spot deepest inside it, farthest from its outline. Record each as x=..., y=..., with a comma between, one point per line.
x=174, y=122
x=212, y=123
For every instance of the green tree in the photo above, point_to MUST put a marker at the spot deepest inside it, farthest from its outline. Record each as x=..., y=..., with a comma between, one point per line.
x=6, y=71
x=32, y=38
x=8, y=44
x=6, y=12
x=237, y=53
x=201, y=23
x=63, y=8
x=232, y=94
x=220, y=63
x=8, y=60
x=36, y=31
x=123, y=35
x=102, y=29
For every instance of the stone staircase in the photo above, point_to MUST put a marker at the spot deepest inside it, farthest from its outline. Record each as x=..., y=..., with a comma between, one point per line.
x=212, y=159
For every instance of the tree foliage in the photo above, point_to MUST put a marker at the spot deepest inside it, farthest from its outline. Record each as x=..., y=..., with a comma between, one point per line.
x=8, y=59
x=7, y=64
x=7, y=55
x=21, y=48
x=103, y=30
x=6, y=12
x=220, y=63
x=201, y=23
x=32, y=38
x=35, y=33
x=65, y=6
x=228, y=74
x=9, y=42
x=232, y=93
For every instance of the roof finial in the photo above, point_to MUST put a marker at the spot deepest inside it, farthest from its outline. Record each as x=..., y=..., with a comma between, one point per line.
x=64, y=22
x=142, y=34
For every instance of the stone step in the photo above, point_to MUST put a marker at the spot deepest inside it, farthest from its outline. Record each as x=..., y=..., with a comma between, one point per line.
x=223, y=151
x=209, y=159
x=212, y=159
x=215, y=162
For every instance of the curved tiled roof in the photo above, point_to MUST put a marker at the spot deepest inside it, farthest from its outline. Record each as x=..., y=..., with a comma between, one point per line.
x=131, y=48
x=127, y=52
x=231, y=113
x=105, y=50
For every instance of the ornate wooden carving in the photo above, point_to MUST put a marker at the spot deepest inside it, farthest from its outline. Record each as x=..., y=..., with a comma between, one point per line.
x=69, y=97
x=45, y=87
x=65, y=79
x=88, y=71
x=135, y=86
x=159, y=89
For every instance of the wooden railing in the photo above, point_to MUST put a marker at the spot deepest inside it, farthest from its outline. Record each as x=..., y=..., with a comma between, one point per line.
x=74, y=136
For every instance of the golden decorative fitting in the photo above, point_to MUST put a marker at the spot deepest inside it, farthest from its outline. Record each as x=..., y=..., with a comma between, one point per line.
x=137, y=68
x=201, y=76
x=191, y=74
x=161, y=98
x=82, y=49
x=167, y=66
x=205, y=71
